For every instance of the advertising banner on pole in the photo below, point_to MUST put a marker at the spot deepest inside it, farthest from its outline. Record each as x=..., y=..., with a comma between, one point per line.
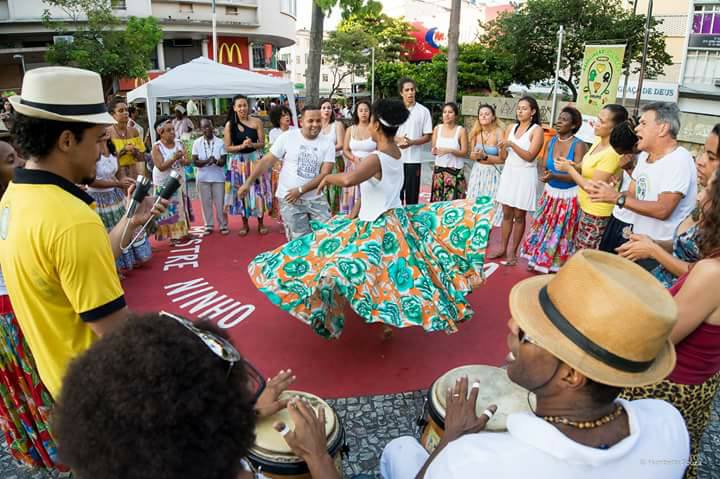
x=601, y=72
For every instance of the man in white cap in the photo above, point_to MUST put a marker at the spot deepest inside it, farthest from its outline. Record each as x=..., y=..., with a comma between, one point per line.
x=57, y=259
x=181, y=122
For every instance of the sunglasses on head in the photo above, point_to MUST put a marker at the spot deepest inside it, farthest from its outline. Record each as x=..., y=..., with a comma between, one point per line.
x=222, y=348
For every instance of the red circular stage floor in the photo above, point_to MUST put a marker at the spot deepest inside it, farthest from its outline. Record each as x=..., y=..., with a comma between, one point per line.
x=207, y=277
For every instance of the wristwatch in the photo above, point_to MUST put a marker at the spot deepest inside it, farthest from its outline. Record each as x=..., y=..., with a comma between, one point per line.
x=621, y=201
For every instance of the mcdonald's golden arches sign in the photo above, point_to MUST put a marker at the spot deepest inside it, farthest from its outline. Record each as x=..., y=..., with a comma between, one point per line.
x=231, y=51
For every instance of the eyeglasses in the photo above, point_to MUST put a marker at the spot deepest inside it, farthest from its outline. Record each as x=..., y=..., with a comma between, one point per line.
x=524, y=338
x=222, y=348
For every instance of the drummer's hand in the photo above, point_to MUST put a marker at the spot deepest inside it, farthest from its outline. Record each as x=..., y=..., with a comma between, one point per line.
x=309, y=440
x=268, y=403
x=461, y=418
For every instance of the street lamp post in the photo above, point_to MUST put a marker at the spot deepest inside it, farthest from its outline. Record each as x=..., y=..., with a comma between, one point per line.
x=561, y=35
x=21, y=57
x=216, y=103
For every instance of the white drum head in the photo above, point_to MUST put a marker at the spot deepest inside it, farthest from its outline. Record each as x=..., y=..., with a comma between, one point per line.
x=495, y=388
x=269, y=442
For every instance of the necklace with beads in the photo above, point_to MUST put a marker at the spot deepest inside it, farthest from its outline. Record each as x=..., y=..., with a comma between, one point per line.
x=565, y=140
x=586, y=424
x=123, y=134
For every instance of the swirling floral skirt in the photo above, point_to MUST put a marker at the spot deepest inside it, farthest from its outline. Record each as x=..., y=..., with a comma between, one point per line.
x=412, y=266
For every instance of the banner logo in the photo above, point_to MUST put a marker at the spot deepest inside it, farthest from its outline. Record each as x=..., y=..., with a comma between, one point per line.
x=228, y=51
x=435, y=38
x=602, y=68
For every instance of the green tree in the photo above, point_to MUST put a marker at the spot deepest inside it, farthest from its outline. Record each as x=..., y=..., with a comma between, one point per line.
x=101, y=42
x=346, y=52
x=389, y=35
x=480, y=70
x=529, y=35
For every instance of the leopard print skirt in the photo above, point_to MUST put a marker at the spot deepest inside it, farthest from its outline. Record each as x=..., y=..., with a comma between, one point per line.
x=694, y=401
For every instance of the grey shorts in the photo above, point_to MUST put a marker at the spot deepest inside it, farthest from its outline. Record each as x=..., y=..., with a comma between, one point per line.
x=296, y=216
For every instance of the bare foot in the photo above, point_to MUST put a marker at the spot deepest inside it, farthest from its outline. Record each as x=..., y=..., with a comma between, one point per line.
x=496, y=255
x=510, y=262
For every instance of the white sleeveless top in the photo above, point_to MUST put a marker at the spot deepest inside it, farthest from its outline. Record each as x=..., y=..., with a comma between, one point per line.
x=452, y=143
x=332, y=137
x=378, y=196
x=361, y=148
x=167, y=153
x=513, y=159
x=3, y=288
x=106, y=168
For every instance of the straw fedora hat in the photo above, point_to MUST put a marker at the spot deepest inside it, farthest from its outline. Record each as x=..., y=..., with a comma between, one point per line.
x=62, y=94
x=603, y=315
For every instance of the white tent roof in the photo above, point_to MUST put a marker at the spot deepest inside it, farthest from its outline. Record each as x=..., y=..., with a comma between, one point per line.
x=203, y=78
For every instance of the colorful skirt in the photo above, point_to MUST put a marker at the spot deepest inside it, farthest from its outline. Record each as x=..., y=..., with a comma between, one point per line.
x=110, y=205
x=334, y=193
x=259, y=200
x=448, y=184
x=551, y=241
x=174, y=224
x=694, y=401
x=412, y=266
x=484, y=181
x=350, y=196
x=590, y=231
x=25, y=404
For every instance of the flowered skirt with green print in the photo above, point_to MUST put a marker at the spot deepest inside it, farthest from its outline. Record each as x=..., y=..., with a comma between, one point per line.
x=412, y=266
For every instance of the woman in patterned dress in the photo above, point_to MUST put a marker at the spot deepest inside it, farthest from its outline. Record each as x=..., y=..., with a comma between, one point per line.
x=25, y=404
x=108, y=191
x=169, y=155
x=485, y=137
x=396, y=266
x=551, y=241
x=449, y=146
x=334, y=132
x=358, y=144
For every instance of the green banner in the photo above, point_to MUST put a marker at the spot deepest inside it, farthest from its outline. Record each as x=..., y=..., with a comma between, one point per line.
x=601, y=72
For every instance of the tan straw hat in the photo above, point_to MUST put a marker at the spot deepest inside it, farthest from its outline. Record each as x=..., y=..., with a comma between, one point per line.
x=603, y=315
x=62, y=94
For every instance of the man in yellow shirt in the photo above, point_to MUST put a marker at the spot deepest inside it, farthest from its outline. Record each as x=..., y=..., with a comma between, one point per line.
x=57, y=259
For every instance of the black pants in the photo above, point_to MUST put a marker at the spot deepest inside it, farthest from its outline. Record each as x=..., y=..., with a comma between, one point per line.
x=613, y=236
x=410, y=192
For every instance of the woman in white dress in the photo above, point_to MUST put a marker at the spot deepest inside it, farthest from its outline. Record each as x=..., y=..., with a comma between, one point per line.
x=333, y=131
x=358, y=144
x=517, y=192
x=488, y=159
x=449, y=146
x=168, y=155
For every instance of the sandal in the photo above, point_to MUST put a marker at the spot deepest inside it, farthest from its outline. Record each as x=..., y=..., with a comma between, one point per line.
x=224, y=231
x=262, y=230
x=509, y=262
x=243, y=231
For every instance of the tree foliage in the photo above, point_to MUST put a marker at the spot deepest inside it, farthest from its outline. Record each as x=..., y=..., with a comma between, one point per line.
x=529, y=35
x=387, y=34
x=101, y=42
x=346, y=51
x=480, y=70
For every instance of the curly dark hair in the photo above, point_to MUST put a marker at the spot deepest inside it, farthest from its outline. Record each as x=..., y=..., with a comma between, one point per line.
x=392, y=112
x=709, y=231
x=37, y=137
x=575, y=116
x=151, y=401
x=277, y=113
x=623, y=138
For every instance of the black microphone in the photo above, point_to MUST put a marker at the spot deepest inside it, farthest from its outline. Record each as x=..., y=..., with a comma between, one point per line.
x=172, y=183
x=142, y=189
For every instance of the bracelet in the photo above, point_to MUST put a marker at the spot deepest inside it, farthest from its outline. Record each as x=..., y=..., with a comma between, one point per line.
x=300, y=189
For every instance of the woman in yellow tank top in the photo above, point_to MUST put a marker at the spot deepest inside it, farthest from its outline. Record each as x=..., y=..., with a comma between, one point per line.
x=127, y=141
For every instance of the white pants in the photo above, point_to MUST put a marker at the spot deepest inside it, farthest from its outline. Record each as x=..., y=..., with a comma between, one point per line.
x=402, y=458
x=213, y=194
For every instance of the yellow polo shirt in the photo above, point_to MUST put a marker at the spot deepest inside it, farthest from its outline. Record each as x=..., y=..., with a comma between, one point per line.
x=59, y=268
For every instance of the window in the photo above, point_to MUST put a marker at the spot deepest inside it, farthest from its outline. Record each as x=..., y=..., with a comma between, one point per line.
x=289, y=7
x=259, y=59
x=118, y=4
x=325, y=77
x=186, y=7
x=706, y=20
x=231, y=11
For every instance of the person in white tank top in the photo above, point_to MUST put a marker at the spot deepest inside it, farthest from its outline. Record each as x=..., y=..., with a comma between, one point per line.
x=357, y=145
x=517, y=191
x=334, y=132
x=450, y=147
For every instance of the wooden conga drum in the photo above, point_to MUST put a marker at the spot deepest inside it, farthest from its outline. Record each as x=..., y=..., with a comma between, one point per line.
x=495, y=388
x=272, y=456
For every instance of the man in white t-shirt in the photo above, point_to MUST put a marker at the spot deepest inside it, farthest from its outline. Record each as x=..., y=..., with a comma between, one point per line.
x=664, y=187
x=576, y=361
x=415, y=132
x=306, y=159
x=208, y=155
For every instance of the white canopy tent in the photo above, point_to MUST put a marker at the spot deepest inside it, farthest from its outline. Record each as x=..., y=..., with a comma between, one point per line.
x=203, y=78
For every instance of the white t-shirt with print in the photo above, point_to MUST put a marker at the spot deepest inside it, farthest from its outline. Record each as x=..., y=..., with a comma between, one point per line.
x=204, y=149
x=419, y=123
x=673, y=173
x=302, y=161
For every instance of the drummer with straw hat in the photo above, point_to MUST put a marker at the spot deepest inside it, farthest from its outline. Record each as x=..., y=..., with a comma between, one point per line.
x=577, y=338
x=55, y=254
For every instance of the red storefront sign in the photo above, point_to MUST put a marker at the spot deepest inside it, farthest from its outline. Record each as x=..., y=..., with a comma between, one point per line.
x=232, y=51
